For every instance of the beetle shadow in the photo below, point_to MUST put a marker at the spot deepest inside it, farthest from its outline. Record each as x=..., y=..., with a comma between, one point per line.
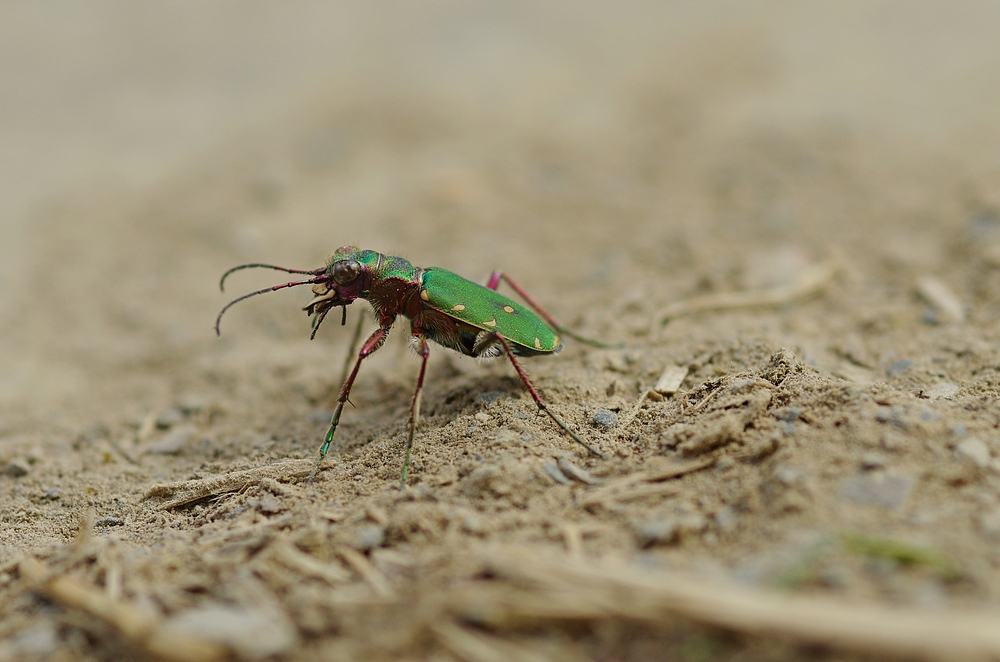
x=473, y=392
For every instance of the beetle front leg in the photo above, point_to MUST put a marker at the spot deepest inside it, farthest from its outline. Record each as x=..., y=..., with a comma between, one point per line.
x=538, y=399
x=374, y=341
x=424, y=352
x=494, y=282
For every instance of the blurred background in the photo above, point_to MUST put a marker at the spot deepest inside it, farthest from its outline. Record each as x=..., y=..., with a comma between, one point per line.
x=586, y=146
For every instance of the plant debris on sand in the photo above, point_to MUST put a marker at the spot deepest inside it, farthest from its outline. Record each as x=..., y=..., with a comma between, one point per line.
x=801, y=430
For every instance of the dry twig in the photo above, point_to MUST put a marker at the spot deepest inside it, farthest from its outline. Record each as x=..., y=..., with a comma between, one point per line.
x=810, y=282
x=601, y=591
x=141, y=628
x=190, y=492
x=631, y=488
x=368, y=572
x=479, y=647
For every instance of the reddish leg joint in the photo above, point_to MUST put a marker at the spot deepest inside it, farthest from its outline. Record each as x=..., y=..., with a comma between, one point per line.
x=538, y=399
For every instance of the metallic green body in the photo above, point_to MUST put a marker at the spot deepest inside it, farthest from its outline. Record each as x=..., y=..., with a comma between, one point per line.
x=441, y=305
x=487, y=310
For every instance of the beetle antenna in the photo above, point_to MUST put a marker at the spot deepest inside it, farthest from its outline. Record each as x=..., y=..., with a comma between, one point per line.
x=222, y=281
x=318, y=279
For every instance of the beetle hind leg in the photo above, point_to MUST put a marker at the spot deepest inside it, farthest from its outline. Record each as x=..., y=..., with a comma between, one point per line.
x=538, y=399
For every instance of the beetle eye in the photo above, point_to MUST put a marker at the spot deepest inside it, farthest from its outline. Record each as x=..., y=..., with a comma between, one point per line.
x=346, y=272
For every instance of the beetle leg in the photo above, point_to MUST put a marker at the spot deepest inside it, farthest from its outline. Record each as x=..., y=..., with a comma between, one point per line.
x=374, y=341
x=538, y=399
x=494, y=281
x=424, y=352
x=353, y=346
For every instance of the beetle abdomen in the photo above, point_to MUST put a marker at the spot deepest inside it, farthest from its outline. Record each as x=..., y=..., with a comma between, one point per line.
x=487, y=310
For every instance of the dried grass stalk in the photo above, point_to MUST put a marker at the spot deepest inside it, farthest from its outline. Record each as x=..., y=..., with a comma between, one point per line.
x=810, y=282
x=141, y=628
x=600, y=591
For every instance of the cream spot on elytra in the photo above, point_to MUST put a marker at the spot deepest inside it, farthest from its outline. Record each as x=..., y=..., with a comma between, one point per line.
x=508, y=309
x=538, y=343
x=424, y=295
x=458, y=307
x=491, y=323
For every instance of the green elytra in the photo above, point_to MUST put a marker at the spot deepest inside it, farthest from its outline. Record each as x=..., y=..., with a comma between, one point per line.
x=469, y=318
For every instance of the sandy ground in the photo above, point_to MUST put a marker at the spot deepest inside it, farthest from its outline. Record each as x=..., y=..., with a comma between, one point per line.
x=795, y=212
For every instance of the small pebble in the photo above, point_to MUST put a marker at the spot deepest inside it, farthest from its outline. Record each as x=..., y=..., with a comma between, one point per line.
x=36, y=642
x=882, y=568
x=742, y=384
x=480, y=479
x=192, y=404
x=605, y=418
x=989, y=524
x=898, y=367
x=482, y=417
x=269, y=504
x=922, y=518
x=893, y=440
x=725, y=519
x=507, y=437
x=52, y=494
x=941, y=390
x=872, y=461
x=16, y=469
x=110, y=520
x=172, y=442
x=984, y=227
x=834, y=577
x=473, y=524
x=489, y=397
x=691, y=523
x=252, y=633
x=656, y=532
x=168, y=418
x=975, y=450
x=369, y=538
x=787, y=475
x=788, y=414
x=877, y=488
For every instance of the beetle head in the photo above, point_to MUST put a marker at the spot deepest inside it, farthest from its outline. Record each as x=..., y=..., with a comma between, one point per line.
x=348, y=278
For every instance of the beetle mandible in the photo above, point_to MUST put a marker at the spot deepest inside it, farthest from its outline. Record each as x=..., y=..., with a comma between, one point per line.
x=442, y=306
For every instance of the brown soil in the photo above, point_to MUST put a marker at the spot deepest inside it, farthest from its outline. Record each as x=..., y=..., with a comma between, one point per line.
x=838, y=441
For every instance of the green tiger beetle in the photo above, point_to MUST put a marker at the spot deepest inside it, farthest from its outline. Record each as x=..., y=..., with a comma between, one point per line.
x=442, y=306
